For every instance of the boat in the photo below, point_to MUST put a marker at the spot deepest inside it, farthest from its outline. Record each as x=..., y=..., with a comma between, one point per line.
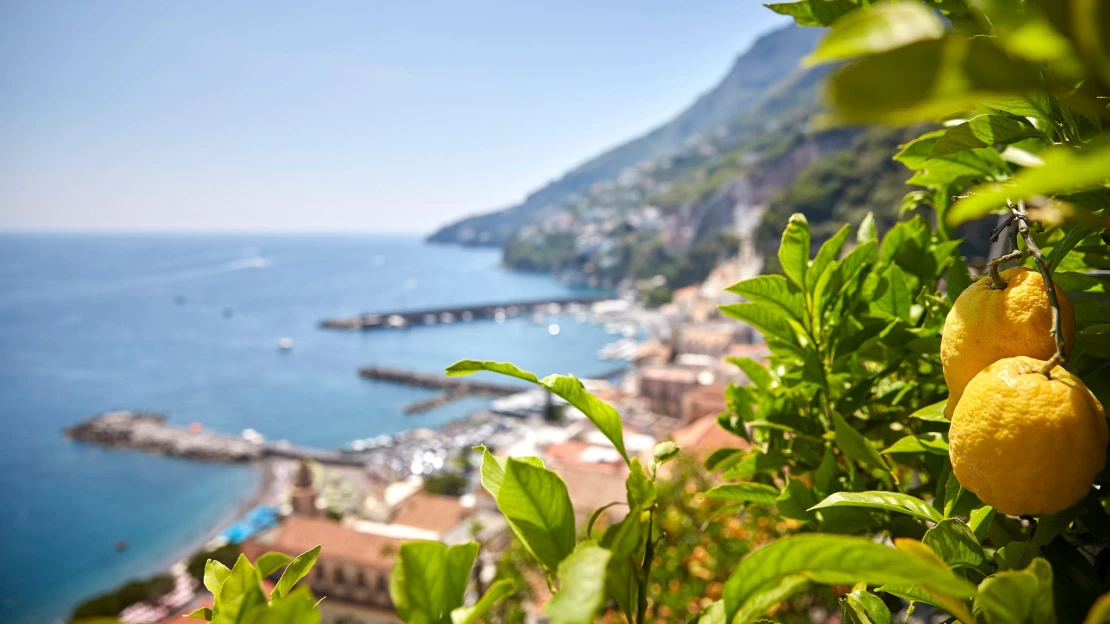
x=285, y=344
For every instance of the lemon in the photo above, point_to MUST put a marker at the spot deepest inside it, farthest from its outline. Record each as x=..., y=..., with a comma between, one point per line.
x=1026, y=443
x=987, y=325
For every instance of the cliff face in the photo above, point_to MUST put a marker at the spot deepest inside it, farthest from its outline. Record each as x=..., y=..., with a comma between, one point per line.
x=763, y=78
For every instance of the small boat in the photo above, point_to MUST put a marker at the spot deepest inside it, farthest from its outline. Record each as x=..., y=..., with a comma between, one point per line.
x=285, y=344
x=121, y=545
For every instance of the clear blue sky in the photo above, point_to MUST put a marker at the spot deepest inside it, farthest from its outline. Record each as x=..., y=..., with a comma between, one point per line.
x=361, y=115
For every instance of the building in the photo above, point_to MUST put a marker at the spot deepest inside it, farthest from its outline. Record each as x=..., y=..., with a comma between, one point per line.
x=704, y=400
x=665, y=385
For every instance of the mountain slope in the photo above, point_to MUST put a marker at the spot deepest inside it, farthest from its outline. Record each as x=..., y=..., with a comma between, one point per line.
x=753, y=78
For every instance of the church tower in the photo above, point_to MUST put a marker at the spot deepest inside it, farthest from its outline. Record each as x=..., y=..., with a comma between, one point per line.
x=304, y=491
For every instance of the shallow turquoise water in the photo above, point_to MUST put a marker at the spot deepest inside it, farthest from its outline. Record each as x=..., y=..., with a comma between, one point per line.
x=90, y=323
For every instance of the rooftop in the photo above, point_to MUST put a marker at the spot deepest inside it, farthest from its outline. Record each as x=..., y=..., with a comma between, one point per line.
x=298, y=534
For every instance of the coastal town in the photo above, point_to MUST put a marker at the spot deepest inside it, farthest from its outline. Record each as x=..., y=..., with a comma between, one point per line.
x=670, y=371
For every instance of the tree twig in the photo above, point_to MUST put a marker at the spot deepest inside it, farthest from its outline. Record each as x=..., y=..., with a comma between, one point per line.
x=997, y=283
x=1022, y=221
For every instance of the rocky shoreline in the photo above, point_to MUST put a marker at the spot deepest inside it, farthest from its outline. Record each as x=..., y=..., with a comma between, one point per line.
x=148, y=431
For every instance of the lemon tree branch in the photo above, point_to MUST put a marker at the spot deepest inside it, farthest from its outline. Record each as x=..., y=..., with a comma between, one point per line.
x=1021, y=219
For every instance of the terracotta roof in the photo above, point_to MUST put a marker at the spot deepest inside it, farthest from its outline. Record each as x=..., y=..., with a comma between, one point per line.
x=704, y=435
x=300, y=533
x=592, y=487
x=430, y=512
x=570, y=453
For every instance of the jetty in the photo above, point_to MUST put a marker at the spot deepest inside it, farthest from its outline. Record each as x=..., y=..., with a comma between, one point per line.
x=148, y=431
x=439, y=381
x=431, y=316
x=452, y=388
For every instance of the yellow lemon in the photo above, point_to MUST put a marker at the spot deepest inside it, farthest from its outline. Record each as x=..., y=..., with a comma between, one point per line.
x=987, y=325
x=1026, y=443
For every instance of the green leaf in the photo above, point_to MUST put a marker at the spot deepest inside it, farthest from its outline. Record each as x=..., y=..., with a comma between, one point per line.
x=582, y=591
x=763, y=317
x=895, y=300
x=756, y=462
x=773, y=289
x=297, y=569
x=855, y=446
x=867, y=231
x=887, y=501
x=876, y=28
x=956, y=543
x=665, y=452
x=1032, y=104
x=215, y=573
x=982, y=131
x=203, y=613
x=493, y=469
x=471, y=615
x=639, y=488
x=713, y=614
x=756, y=372
x=239, y=593
x=824, y=478
x=625, y=540
x=1065, y=169
x=768, y=596
x=916, y=594
x=794, y=249
x=836, y=559
x=722, y=458
x=458, y=565
x=795, y=500
x=535, y=502
x=569, y=388
x=271, y=562
x=1015, y=597
x=948, y=169
x=863, y=607
x=926, y=80
x=980, y=521
x=603, y=416
x=825, y=256
x=299, y=607
x=1063, y=247
x=921, y=443
x=429, y=579
x=469, y=367
x=748, y=492
x=833, y=283
x=813, y=12
x=932, y=413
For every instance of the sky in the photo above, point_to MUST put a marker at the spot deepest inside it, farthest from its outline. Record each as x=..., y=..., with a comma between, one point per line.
x=332, y=116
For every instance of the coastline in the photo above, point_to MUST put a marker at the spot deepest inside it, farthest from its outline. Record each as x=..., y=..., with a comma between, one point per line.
x=267, y=477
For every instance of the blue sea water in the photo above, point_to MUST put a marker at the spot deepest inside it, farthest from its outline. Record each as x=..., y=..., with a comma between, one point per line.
x=90, y=323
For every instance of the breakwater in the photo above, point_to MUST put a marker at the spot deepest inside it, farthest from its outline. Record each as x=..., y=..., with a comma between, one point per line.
x=439, y=381
x=148, y=431
x=432, y=316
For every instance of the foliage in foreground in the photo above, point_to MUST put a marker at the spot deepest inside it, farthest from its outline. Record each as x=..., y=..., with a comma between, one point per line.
x=239, y=595
x=846, y=423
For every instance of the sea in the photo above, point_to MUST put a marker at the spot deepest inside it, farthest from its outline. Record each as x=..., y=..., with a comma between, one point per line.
x=188, y=325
